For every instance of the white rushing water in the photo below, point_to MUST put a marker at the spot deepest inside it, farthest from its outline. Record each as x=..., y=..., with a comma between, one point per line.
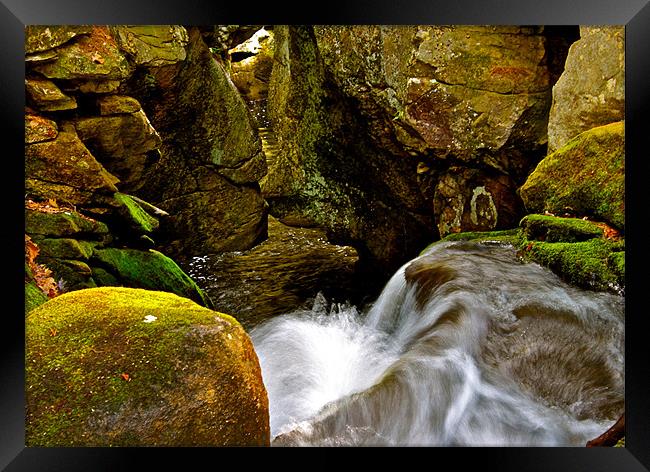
x=466, y=345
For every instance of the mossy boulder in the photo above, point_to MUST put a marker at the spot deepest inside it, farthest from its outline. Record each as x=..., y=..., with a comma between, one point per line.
x=586, y=264
x=553, y=229
x=46, y=96
x=135, y=216
x=41, y=38
x=585, y=177
x=34, y=296
x=130, y=367
x=63, y=223
x=70, y=273
x=65, y=248
x=148, y=270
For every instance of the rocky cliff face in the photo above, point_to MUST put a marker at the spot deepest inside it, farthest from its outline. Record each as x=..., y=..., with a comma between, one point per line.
x=383, y=118
x=124, y=100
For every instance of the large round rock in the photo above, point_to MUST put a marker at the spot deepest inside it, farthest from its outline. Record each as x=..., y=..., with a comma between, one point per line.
x=129, y=367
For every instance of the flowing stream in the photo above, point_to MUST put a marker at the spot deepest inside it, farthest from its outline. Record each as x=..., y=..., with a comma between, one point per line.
x=466, y=345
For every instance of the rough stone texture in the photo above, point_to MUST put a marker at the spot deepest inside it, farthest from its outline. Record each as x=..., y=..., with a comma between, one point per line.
x=251, y=75
x=155, y=45
x=44, y=95
x=367, y=119
x=122, y=142
x=39, y=129
x=276, y=276
x=94, y=56
x=221, y=38
x=478, y=93
x=116, y=104
x=591, y=91
x=39, y=38
x=585, y=177
x=475, y=200
x=130, y=367
x=64, y=169
x=211, y=156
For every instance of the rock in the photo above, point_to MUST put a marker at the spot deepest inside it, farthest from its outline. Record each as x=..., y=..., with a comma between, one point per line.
x=98, y=86
x=130, y=367
x=116, y=104
x=154, y=45
x=65, y=248
x=71, y=274
x=211, y=156
x=251, y=75
x=93, y=56
x=125, y=143
x=221, y=38
x=468, y=199
x=591, y=91
x=62, y=224
x=553, y=229
x=585, y=177
x=34, y=296
x=273, y=277
x=39, y=129
x=65, y=169
x=41, y=38
x=148, y=270
x=44, y=95
x=137, y=218
x=480, y=93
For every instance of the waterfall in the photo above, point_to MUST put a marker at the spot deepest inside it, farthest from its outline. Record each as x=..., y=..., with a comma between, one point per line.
x=465, y=346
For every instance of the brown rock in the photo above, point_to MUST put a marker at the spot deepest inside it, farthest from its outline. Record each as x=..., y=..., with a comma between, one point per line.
x=65, y=169
x=591, y=91
x=39, y=129
x=116, y=104
x=153, y=45
x=41, y=38
x=93, y=56
x=44, y=95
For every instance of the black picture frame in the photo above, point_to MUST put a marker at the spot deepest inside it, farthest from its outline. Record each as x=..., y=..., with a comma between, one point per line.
x=634, y=14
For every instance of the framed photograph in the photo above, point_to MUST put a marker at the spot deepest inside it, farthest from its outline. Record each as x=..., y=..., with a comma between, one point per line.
x=368, y=225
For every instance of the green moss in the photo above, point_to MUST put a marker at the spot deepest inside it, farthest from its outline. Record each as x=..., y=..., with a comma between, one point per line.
x=76, y=275
x=104, y=278
x=79, y=345
x=136, y=216
x=34, y=296
x=555, y=229
x=65, y=223
x=584, y=264
x=587, y=176
x=65, y=248
x=149, y=270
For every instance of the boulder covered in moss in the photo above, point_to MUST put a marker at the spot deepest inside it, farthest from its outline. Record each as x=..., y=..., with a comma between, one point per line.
x=584, y=177
x=149, y=270
x=130, y=367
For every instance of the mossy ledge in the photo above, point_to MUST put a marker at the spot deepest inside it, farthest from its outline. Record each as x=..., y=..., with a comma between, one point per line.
x=130, y=367
x=576, y=250
x=149, y=270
